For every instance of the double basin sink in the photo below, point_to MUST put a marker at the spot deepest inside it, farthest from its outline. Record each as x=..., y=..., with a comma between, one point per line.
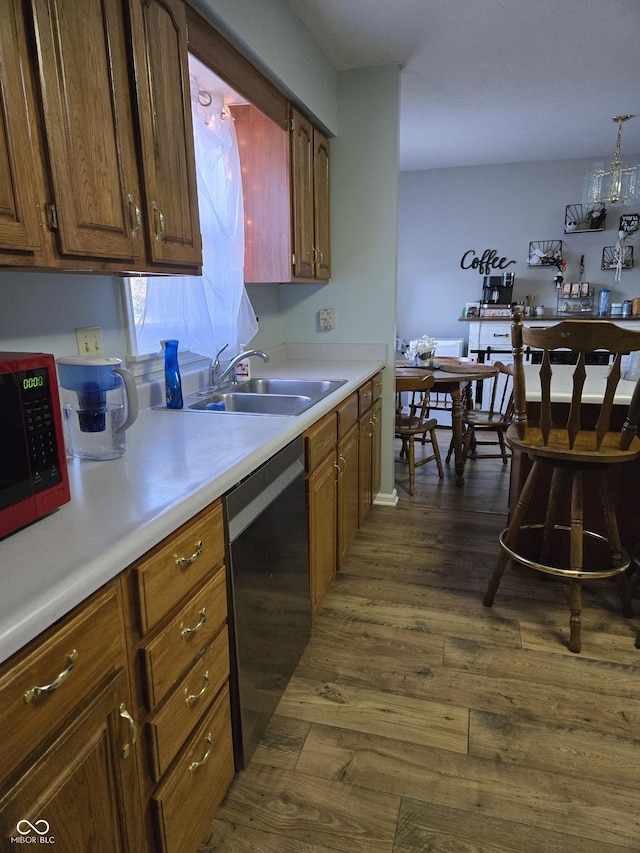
x=269, y=396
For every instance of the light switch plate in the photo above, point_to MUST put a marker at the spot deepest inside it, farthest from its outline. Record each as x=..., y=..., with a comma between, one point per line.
x=327, y=318
x=89, y=341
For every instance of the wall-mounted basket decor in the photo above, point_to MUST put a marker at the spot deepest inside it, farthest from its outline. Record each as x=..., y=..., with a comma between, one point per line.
x=544, y=252
x=610, y=260
x=579, y=217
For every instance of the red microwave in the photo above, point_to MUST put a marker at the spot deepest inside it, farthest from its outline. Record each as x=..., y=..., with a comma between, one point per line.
x=33, y=465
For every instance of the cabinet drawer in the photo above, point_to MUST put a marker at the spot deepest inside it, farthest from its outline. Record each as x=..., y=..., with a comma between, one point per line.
x=176, y=647
x=376, y=387
x=495, y=335
x=347, y=415
x=61, y=669
x=171, y=570
x=172, y=725
x=365, y=395
x=319, y=440
x=192, y=791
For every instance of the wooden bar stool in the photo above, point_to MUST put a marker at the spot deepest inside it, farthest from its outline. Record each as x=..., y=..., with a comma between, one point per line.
x=567, y=452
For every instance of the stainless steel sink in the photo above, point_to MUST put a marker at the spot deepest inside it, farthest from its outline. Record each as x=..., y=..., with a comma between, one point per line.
x=269, y=396
x=252, y=404
x=315, y=388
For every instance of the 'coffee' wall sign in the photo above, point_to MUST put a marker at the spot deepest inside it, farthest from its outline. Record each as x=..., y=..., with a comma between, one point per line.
x=488, y=261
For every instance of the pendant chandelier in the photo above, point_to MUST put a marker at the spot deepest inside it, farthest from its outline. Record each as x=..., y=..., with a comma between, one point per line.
x=616, y=185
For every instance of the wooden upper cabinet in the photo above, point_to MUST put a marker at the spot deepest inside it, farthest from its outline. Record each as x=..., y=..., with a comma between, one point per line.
x=321, y=206
x=19, y=225
x=264, y=160
x=97, y=163
x=309, y=200
x=88, y=125
x=302, y=195
x=161, y=64
x=285, y=185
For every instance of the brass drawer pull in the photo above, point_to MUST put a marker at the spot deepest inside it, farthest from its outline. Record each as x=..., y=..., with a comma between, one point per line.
x=34, y=692
x=195, y=696
x=185, y=632
x=185, y=562
x=195, y=764
x=133, y=732
x=137, y=214
x=161, y=221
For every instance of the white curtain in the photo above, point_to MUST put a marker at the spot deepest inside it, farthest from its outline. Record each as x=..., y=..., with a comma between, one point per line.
x=205, y=312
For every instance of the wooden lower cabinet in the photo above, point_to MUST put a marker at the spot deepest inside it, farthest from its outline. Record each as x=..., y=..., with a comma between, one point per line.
x=322, y=502
x=370, y=414
x=348, y=443
x=179, y=652
x=81, y=787
x=376, y=448
x=68, y=755
x=365, y=429
x=342, y=458
x=185, y=801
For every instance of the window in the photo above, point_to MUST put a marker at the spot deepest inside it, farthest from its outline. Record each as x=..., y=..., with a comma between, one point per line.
x=203, y=312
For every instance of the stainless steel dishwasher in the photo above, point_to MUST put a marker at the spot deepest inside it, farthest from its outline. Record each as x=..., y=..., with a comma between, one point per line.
x=268, y=555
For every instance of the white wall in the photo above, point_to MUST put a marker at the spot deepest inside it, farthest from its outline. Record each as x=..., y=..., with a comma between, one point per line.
x=364, y=200
x=39, y=312
x=443, y=213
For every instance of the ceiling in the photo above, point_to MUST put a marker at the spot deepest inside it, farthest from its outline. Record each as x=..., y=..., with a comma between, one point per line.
x=494, y=81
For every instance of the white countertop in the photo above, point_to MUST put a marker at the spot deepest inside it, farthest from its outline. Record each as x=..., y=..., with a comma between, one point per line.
x=176, y=463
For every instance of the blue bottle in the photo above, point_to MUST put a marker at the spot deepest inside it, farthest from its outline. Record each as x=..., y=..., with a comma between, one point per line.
x=603, y=302
x=172, y=381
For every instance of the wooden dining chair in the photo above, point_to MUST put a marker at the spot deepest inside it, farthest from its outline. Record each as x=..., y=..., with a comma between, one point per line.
x=412, y=421
x=561, y=454
x=494, y=420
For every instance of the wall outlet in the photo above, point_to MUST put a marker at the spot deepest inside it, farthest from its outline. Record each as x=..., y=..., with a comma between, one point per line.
x=327, y=318
x=90, y=341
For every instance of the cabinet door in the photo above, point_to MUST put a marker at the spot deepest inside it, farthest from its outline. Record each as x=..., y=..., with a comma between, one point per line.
x=159, y=33
x=264, y=159
x=347, y=492
x=81, y=793
x=84, y=87
x=322, y=236
x=302, y=196
x=19, y=229
x=322, y=498
x=364, y=456
x=376, y=447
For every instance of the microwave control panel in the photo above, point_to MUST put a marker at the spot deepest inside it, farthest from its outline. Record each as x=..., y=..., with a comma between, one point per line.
x=39, y=428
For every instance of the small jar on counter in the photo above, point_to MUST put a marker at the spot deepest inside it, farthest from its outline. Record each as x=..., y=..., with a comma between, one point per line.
x=627, y=308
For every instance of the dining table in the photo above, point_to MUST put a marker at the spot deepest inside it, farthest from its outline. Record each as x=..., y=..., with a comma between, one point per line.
x=454, y=376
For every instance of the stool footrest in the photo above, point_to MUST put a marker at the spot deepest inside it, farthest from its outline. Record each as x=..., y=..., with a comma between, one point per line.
x=610, y=571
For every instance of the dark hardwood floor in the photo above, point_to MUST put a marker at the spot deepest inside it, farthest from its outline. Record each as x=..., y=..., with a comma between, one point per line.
x=419, y=720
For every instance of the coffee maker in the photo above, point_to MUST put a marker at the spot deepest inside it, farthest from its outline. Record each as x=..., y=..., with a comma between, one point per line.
x=497, y=290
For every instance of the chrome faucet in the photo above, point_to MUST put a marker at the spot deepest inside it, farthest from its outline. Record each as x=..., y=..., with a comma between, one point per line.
x=214, y=369
x=217, y=377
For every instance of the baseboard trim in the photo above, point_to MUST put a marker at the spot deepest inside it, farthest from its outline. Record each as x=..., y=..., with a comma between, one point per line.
x=386, y=498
